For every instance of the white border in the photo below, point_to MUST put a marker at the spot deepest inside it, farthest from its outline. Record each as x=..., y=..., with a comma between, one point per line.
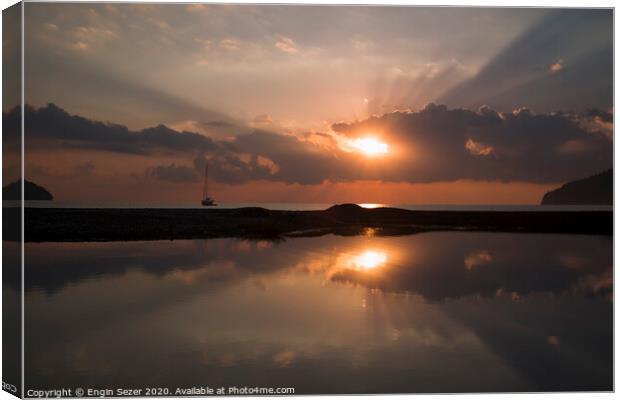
x=476, y=3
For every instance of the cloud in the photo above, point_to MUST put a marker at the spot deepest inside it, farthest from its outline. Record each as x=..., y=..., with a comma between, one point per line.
x=298, y=161
x=173, y=173
x=51, y=125
x=597, y=121
x=557, y=66
x=85, y=37
x=79, y=45
x=206, y=43
x=477, y=148
x=445, y=144
x=230, y=44
x=262, y=119
x=51, y=27
x=93, y=33
x=287, y=45
x=237, y=167
x=435, y=144
x=197, y=7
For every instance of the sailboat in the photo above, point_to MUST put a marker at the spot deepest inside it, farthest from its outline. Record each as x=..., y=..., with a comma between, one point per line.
x=206, y=200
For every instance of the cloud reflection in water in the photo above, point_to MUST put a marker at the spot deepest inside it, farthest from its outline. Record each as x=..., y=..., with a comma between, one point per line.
x=326, y=314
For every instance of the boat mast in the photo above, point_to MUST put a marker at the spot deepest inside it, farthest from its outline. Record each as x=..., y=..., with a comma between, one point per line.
x=206, y=182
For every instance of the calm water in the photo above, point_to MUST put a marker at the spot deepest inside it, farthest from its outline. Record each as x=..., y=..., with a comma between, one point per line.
x=433, y=312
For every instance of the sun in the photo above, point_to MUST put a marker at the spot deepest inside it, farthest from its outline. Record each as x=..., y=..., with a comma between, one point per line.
x=370, y=146
x=370, y=260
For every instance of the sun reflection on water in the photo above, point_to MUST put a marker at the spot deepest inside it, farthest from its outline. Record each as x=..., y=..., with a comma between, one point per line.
x=369, y=259
x=358, y=264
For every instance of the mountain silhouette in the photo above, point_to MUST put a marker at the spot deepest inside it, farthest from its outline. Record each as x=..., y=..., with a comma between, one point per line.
x=594, y=190
x=32, y=191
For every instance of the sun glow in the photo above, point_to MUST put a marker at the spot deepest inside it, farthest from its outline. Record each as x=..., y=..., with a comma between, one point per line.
x=370, y=259
x=370, y=146
x=371, y=205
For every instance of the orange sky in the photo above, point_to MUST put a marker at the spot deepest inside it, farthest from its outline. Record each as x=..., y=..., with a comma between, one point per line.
x=458, y=192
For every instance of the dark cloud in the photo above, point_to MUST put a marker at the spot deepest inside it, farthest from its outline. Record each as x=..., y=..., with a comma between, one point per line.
x=173, y=173
x=453, y=144
x=603, y=115
x=53, y=123
x=297, y=161
x=225, y=166
x=430, y=145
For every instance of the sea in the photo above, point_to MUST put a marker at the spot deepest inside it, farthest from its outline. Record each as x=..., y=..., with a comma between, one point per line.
x=434, y=312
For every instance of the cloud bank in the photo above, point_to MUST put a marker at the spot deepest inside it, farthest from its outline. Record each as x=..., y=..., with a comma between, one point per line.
x=442, y=144
x=435, y=144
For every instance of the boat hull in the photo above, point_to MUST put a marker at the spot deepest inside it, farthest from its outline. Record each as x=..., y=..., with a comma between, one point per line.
x=208, y=202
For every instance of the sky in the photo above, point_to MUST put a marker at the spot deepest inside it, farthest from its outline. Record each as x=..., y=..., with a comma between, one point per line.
x=314, y=103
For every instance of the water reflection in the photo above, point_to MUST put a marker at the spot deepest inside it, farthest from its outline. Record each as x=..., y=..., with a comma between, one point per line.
x=367, y=260
x=326, y=314
x=477, y=258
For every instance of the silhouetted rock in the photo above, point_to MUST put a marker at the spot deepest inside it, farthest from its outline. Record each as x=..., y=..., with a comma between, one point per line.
x=594, y=190
x=83, y=224
x=345, y=209
x=32, y=191
x=252, y=212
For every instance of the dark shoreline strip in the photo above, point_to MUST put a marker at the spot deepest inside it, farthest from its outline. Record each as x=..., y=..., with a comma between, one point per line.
x=71, y=225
